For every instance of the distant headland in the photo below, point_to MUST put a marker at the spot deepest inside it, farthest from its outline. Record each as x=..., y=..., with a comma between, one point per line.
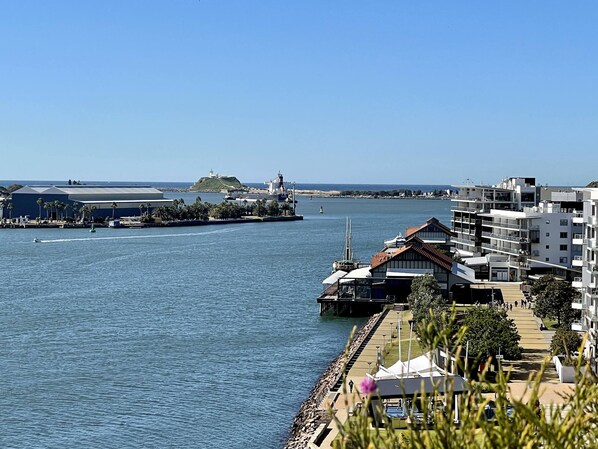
x=217, y=183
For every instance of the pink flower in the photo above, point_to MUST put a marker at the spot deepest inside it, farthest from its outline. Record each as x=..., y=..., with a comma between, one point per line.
x=368, y=385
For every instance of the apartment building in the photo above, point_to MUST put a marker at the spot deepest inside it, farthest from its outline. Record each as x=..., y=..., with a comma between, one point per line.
x=588, y=281
x=525, y=236
x=511, y=194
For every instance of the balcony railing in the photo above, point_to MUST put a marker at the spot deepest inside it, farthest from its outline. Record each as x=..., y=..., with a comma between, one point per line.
x=511, y=238
x=520, y=226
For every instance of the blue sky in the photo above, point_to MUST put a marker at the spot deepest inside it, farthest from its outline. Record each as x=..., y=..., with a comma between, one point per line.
x=330, y=91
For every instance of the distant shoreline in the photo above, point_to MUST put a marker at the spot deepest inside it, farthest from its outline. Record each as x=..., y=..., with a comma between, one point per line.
x=170, y=224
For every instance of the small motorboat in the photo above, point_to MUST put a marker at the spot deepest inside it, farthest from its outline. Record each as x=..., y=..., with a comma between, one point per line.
x=321, y=209
x=36, y=240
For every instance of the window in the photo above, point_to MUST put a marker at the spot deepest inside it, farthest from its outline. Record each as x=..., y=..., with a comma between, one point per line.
x=564, y=222
x=548, y=234
x=564, y=235
x=547, y=246
x=562, y=260
x=563, y=248
x=547, y=221
x=547, y=259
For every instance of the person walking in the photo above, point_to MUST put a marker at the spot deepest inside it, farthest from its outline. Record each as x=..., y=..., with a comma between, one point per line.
x=516, y=304
x=351, y=383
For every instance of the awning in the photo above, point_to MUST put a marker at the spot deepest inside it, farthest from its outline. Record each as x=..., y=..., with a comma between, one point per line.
x=415, y=386
x=475, y=261
x=334, y=277
x=407, y=272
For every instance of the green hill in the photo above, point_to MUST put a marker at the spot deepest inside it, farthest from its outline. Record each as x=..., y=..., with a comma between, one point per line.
x=216, y=184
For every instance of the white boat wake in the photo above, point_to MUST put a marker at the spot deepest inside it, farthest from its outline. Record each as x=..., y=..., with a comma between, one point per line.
x=135, y=237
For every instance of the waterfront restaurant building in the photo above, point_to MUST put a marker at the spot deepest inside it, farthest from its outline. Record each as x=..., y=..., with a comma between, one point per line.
x=388, y=279
x=106, y=201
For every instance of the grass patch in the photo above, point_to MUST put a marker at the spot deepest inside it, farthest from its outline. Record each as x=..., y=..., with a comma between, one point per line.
x=550, y=324
x=391, y=351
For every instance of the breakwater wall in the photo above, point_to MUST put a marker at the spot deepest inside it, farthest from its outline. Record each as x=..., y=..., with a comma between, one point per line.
x=311, y=415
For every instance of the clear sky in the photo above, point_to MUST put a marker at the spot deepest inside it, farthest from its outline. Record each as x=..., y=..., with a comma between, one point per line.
x=398, y=92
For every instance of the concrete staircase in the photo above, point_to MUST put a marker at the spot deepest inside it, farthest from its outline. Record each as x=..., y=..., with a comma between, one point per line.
x=534, y=342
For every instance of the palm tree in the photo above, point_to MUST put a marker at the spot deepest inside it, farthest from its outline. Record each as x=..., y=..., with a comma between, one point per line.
x=40, y=202
x=149, y=211
x=141, y=207
x=74, y=207
x=91, y=209
x=9, y=207
x=113, y=206
x=84, y=210
x=47, y=206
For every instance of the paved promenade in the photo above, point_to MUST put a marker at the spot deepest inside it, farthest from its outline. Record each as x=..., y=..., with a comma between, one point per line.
x=535, y=344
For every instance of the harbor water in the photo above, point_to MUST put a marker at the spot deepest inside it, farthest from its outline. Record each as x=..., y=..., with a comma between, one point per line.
x=197, y=337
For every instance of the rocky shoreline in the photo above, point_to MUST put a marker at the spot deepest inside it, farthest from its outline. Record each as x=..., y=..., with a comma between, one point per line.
x=310, y=416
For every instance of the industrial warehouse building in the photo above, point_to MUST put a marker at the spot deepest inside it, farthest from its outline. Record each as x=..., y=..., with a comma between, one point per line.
x=106, y=201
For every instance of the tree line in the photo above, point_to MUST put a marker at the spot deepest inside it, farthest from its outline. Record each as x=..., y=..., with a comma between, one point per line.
x=403, y=193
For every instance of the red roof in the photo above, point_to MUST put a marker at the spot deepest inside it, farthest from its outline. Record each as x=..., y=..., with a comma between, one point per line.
x=415, y=244
x=430, y=221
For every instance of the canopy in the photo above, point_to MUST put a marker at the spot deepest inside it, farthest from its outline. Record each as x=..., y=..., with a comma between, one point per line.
x=411, y=386
x=359, y=273
x=330, y=280
x=421, y=366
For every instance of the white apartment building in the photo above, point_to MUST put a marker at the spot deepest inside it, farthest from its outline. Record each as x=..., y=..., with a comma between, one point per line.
x=472, y=200
x=536, y=240
x=588, y=282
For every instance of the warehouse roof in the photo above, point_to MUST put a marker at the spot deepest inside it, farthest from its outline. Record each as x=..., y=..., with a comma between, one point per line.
x=88, y=190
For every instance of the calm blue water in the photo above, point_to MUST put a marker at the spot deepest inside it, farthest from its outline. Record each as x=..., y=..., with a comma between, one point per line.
x=186, y=338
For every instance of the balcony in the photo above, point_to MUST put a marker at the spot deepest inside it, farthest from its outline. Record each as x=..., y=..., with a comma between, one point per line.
x=510, y=238
x=463, y=241
x=578, y=304
x=579, y=327
x=592, y=220
x=578, y=261
x=577, y=239
x=576, y=283
x=577, y=217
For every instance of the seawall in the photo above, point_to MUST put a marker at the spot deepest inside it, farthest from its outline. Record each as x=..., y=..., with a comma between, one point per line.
x=312, y=413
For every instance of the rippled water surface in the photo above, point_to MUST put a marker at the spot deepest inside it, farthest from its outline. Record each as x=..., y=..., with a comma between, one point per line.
x=190, y=338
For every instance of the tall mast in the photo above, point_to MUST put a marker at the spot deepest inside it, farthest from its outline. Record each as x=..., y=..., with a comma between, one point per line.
x=348, y=252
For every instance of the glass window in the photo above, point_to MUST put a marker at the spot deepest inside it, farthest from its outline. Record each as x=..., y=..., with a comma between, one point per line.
x=547, y=246
x=564, y=222
x=563, y=248
x=562, y=259
x=548, y=234
x=564, y=235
